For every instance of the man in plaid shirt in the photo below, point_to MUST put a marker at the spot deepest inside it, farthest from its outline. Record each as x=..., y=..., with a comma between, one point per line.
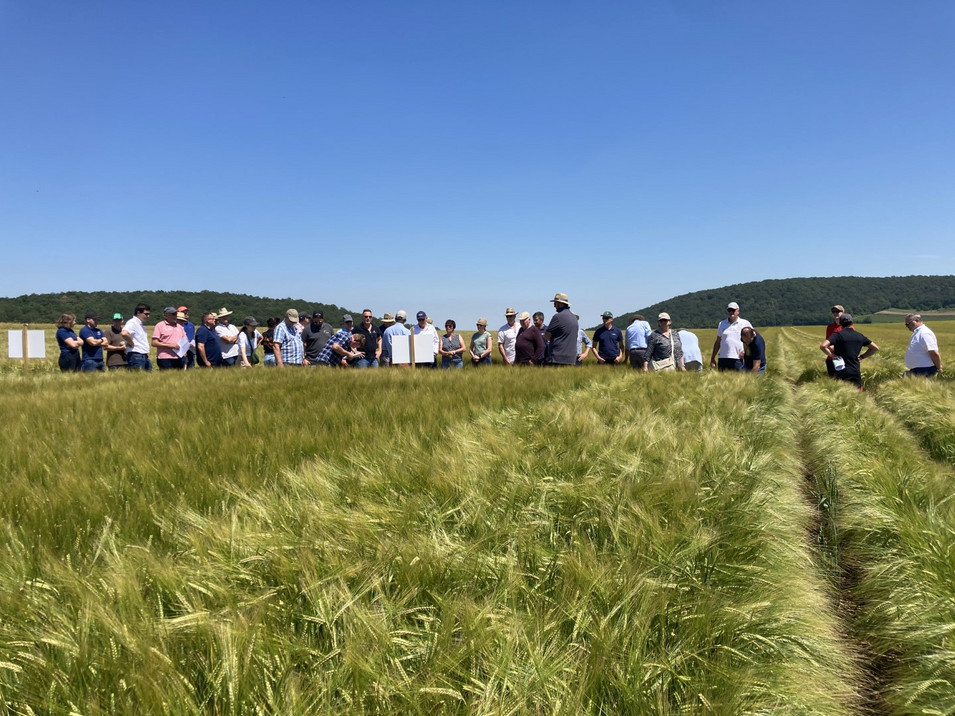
x=286, y=342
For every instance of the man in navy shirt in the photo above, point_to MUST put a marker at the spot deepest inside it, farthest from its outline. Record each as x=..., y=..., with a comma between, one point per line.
x=207, y=342
x=608, y=342
x=754, y=351
x=93, y=341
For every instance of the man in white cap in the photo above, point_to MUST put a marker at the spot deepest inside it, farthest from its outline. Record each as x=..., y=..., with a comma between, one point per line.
x=729, y=345
x=507, y=336
x=286, y=343
x=228, y=337
x=394, y=332
x=562, y=333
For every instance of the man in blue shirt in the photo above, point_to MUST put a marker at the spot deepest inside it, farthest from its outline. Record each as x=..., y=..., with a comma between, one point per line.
x=636, y=341
x=93, y=341
x=395, y=332
x=608, y=342
x=207, y=342
x=754, y=351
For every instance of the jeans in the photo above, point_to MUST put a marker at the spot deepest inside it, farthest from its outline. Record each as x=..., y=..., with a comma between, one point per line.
x=139, y=361
x=486, y=360
x=91, y=365
x=69, y=361
x=638, y=356
x=270, y=360
x=365, y=363
x=229, y=362
x=169, y=363
x=455, y=362
x=729, y=364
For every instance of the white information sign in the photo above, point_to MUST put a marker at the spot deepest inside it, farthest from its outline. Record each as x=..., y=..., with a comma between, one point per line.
x=423, y=349
x=36, y=344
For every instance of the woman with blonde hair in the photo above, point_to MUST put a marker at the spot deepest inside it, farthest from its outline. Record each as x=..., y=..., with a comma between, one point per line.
x=69, y=343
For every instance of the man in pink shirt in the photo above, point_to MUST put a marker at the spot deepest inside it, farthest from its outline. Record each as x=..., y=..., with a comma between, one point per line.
x=168, y=335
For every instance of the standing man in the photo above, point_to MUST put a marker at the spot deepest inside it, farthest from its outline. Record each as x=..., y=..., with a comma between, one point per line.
x=425, y=327
x=384, y=358
x=507, y=336
x=138, y=354
x=286, y=343
x=372, y=344
x=93, y=343
x=228, y=337
x=207, y=342
x=117, y=344
x=182, y=316
x=754, y=351
x=728, y=344
x=542, y=327
x=847, y=345
x=608, y=342
x=314, y=336
x=921, y=357
x=563, y=333
x=833, y=327
x=395, y=331
x=529, y=345
x=636, y=341
x=167, y=336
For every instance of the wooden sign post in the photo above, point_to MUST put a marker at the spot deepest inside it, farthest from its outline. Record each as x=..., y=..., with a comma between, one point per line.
x=26, y=348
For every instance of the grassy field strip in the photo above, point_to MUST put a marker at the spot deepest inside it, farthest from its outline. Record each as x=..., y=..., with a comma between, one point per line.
x=632, y=544
x=927, y=409
x=895, y=522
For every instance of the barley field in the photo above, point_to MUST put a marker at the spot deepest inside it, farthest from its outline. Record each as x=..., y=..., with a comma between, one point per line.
x=493, y=541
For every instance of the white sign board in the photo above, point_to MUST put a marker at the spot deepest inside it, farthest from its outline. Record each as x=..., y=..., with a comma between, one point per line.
x=36, y=344
x=423, y=349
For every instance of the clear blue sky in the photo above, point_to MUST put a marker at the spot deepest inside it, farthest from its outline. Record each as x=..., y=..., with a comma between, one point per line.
x=461, y=157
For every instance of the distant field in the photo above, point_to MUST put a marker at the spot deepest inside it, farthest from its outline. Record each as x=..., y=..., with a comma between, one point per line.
x=489, y=541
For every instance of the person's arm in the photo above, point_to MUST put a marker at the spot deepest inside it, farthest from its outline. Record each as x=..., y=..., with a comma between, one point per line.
x=378, y=347
x=649, y=354
x=225, y=337
x=277, y=347
x=243, y=356
x=500, y=348
x=826, y=347
x=73, y=342
x=620, y=350
x=156, y=343
x=587, y=345
x=872, y=349
x=936, y=359
x=716, y=349
x=202, y=354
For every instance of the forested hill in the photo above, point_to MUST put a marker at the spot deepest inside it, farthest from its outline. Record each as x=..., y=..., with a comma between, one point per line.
x=47, y=307
x=804, y=301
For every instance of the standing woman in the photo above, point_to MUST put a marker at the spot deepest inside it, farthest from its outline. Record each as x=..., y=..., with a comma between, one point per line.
x=452, y=346
x=267, y=342
x=69, y=343
x=664, y=349
x=481, y=344
x=249, y=339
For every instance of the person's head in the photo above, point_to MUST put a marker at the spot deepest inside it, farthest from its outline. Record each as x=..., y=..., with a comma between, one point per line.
x=304, y=319
x=607, y=318
x=422, y=318
x=450, y=325
x=209, y=319
x=91, y=319
x=366, y=317
x=357, y=341
x=663, y=321
x=249, y=324
x=845, y=320
x=184, y=310
x=561, y=302
x=401, y=316
x=387, y=320
x=747, y=335
x=318, y=318
x=538, y=319
x=272, y=321
x=223, y=316
x=291, y=316
x=525, y=319
x=67, y=320
x=637, y=317
x=837, y=312
x=348, y=322
x=732, y=312
x=913, y=321
x=117, y=320
x=481, y=325
x=142, y=311
x=169, y=315
x=510, y=315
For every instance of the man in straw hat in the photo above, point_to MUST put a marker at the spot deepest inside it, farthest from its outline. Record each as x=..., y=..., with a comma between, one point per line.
x=228, y=337
x=562, y=332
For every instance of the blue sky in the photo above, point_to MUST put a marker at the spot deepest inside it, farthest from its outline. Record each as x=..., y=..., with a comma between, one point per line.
x=462, y=157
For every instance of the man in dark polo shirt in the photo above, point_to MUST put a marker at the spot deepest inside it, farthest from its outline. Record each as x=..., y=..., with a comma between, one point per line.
x=562, y=332
x=845, y=350
x=207, y=343
x=314, y=337
x=372, y=347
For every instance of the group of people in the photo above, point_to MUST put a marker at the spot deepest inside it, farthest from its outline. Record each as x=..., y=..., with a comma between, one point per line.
x=300, y=340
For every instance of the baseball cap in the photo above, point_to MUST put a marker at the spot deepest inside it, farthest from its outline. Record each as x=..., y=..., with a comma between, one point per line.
x=663, y=317
x=184, y=309
x=839, y=308
x=733, y=305
x=347, y=318
x=401, y=316
x=318, y=314
x=169, y=309
x=525, y=316
x=421, y=314
x=292, y=314
x=606, y=314
x=845, y=319
x=117, y=316
x=92, y=314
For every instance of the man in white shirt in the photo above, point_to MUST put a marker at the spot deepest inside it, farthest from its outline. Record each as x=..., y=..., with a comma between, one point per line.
x=507, y=336
x=428, y=328
x=728, y=344
x=228, y=337
x=135, y=332
x=922, y=356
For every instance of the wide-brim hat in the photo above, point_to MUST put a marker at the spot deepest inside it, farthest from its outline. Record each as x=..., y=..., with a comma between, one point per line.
x=524, y=316
x=180, y=316
x=482, y=321
x=388, y=318
x=223, y=312
x=561, y=298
